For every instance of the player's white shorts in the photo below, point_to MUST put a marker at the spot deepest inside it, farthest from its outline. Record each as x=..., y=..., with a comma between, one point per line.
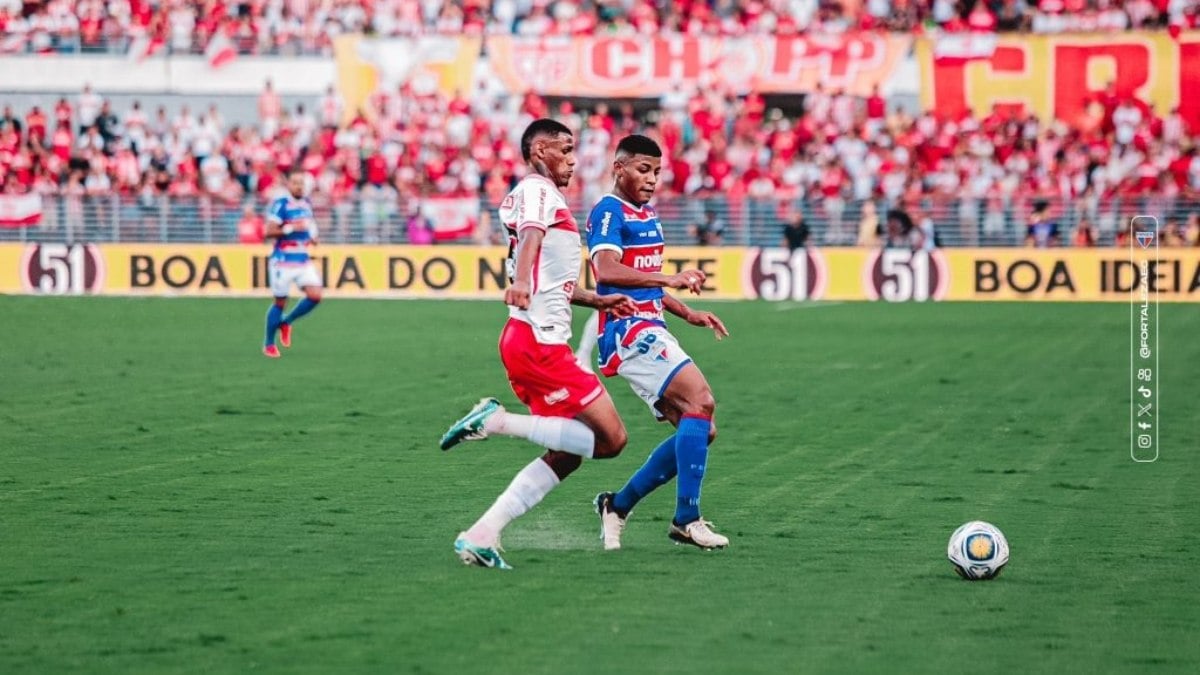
x=284, y=275
x=650, y=362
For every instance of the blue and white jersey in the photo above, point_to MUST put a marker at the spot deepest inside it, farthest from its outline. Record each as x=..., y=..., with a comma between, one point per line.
x=635, y=234
x=292, y=249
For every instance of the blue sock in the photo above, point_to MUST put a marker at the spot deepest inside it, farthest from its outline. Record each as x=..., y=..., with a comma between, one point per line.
x=691, y=453
x=658, y=469
x=274, y=318
x=303, y=307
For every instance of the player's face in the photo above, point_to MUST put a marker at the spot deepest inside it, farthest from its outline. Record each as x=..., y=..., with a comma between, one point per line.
x=557, y=156
x=296, y=185
x=637, y=177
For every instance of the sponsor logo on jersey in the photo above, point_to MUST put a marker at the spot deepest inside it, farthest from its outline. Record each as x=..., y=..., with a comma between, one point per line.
x=556, y=396
x=651, y=262
x=604, y=223
x=508, y=202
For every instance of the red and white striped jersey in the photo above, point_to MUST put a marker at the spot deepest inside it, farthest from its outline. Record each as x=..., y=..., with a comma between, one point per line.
x=537, y=203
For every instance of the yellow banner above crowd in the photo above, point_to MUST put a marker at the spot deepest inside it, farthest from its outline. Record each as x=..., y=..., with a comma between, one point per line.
x=890, y=275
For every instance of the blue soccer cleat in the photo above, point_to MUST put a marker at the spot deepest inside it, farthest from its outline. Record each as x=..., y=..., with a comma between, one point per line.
x=470, y=427
x=479, y=556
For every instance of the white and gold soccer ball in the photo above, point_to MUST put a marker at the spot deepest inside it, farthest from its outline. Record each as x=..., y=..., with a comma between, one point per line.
x=978, y=550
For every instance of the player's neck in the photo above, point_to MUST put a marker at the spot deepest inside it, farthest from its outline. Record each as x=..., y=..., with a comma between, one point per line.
x=535, y=173
x=620, y=194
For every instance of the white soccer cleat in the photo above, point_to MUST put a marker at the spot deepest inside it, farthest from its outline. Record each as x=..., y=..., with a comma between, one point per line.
x=698, y=533
x=611, y=522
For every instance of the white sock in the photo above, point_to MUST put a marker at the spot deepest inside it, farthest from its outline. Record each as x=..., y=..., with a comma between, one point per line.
x=588, y=339
x=527, y=488
x=556, y=433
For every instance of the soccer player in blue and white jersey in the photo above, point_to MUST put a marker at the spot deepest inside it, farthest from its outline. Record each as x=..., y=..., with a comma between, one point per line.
x=625, y=241
x=291, y=224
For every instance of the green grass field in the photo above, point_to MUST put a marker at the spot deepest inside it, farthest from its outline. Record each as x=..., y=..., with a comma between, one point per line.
x=171, y=501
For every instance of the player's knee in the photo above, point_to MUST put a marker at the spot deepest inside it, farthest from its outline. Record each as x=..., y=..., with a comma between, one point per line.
x=561, y=463
x=281, y=302
x=610, y=443
x=314, y=294
x=702, y=403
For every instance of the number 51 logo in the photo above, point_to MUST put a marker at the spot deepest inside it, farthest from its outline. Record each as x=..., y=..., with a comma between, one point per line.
x=62, y=269
x=901, y=275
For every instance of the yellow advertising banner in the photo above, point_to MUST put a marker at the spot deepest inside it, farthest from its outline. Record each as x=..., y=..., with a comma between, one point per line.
x=774, y=274
x=1069, y=274
x=347, y=271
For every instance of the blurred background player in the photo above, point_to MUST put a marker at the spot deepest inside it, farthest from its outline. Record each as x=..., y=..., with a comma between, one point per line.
x=626, y=243
x=290, y=223
x=573, y=415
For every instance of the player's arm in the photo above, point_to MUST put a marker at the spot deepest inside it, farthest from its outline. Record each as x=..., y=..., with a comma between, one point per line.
x=621, y=306
x=529, y=242
x=275, y=226
x=611, y=271
x=694, y=317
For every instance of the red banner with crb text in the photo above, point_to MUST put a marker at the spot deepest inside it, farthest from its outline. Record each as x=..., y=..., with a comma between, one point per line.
x=642, y=66
x=1059, y=76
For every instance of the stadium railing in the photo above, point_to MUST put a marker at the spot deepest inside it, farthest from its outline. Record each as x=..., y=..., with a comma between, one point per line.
x=744, y=222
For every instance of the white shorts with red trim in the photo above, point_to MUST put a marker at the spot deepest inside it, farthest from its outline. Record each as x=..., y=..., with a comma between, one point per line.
x=649, y=358
x=284, y=274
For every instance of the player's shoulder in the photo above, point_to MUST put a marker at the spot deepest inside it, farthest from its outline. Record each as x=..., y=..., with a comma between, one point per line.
x=611, y=206
x=532, y=186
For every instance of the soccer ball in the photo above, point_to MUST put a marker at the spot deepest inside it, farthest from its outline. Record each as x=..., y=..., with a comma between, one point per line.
x=978, y=550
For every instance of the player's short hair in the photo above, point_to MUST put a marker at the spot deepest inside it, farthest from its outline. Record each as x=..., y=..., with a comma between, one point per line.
x=636, y=144
x=542, y=127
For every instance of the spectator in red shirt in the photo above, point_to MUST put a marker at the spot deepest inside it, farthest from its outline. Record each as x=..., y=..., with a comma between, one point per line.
x=250, y=227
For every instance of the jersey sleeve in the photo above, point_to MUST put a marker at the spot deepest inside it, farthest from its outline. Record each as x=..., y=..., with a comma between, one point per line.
x=535, y=206
x=275, y=212
x=605, y=228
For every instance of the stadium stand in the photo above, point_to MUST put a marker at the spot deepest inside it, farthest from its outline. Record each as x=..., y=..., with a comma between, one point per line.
x=291, y=27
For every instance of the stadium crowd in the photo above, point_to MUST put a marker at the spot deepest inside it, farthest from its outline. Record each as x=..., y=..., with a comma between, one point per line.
x=308, y=26
x=836, y=153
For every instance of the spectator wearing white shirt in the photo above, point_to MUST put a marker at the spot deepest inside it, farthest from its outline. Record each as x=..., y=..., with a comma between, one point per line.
x=88, y=107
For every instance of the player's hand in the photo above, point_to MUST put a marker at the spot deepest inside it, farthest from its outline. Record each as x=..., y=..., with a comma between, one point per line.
x=621, y=306
x=708, y=320
x=517, y=295
x=693, y=280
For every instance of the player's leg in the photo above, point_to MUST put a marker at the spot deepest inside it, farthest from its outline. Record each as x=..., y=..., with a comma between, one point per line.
x=596, y=432
x=279, y=289
x=660, y=468
x=479, y=544
x=572, y=412
x=587, y=342
x=309, y=282
x=650, y=363
x=690, y=396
